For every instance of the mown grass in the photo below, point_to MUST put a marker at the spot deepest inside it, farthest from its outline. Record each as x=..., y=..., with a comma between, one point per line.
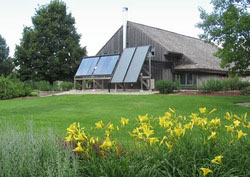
x=33, y=149
x=58, y=112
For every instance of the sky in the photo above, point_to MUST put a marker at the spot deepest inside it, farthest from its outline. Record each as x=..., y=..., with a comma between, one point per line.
x=98, y=20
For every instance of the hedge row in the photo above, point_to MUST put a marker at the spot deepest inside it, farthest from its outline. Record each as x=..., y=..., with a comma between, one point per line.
x=214, y=85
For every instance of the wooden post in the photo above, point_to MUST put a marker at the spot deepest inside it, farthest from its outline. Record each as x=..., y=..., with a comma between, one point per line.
x=102, y=84
x=150, y=71
x=74, y=84
x=94, y=86
x=141, y=82
x=115, y=87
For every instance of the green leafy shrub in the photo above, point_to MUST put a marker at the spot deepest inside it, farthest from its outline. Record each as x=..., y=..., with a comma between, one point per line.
x=243, y=84
x=34, y=93
x=231, y=83
x=43, y=86
x=167, y=86
x=214, y=85
x=210, y=85
x=55, y=86
x=11, y=87
x=66, y=86
x=245, y=91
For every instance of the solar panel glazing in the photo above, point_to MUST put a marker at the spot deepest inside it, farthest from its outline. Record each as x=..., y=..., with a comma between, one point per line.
x=136, y=64
x=87, y=66
x=106, y=65
x=123, y=65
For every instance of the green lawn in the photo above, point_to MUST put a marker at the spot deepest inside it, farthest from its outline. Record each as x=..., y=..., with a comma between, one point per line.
x=58, y=112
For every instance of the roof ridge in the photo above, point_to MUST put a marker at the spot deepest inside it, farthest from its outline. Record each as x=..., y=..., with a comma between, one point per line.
x=167, y=31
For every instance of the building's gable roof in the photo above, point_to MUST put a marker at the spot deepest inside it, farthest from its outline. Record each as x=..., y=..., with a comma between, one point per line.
x=195, y=50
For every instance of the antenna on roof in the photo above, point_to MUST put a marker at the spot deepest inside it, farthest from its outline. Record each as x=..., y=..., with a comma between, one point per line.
x=125, y=13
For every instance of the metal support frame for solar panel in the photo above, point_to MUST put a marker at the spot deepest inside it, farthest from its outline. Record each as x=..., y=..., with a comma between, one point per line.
x=102, y=70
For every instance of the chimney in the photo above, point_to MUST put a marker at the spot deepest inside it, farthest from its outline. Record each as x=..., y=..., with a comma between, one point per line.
x=125, y=13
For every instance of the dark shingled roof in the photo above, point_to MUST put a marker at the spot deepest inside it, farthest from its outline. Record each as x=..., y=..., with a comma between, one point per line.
x=197, y=52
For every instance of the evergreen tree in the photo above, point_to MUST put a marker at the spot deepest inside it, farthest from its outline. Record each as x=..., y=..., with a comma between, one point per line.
x=228, y=26
x=50, y=49
x=6, y=63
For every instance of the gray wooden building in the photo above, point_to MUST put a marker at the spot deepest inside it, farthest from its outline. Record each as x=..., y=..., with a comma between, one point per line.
x=175, y=55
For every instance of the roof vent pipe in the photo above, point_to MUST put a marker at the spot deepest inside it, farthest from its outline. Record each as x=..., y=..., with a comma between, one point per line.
x=125, y=13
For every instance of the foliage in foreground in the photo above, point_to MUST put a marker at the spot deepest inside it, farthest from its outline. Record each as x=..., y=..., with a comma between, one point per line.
x=171, y=145
x=27, y=153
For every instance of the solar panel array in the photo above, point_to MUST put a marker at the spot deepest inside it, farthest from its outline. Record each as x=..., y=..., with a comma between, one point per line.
x=130, y=65
x=127, y=70
x=92, y=66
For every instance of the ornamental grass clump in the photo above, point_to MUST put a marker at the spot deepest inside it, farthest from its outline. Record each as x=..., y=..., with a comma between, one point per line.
x=169, y=145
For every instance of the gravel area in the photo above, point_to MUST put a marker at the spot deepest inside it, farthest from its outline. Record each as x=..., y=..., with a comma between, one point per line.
x=244, y=104
x=112, y=91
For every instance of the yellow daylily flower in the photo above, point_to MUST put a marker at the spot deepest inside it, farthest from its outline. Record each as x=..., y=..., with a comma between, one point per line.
x=241, y=134
x=143, y=118
x=124, y=121
x=228, y=116
x=148, y=132
x=99, y=124
x=237, y=117
x=153, y=140
x=214, y=109
x=72, y=129
x=79, y=137
x=212, y=136
x=68, y=138
x=236, y=123
x=189, y=126
x=203, y=110
x=167, y=115
x=171, y=110
x=230, y=128
x=107, y=132
x=193, y=116
x=246, y=126
x=217, y=160
x=179, y=131
x=78, y=148
x=163, y=139
x=111, y=127
x=107, y=143
x=162, y=121
x=206, y=171
x=215, y=122
x=169, y=145
x=93, y=140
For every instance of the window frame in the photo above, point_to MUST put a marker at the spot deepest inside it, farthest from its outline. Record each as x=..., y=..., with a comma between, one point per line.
x=186, y=79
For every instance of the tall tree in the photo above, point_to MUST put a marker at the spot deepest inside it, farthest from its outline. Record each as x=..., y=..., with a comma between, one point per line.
x=50, y=49
x=6, y=63
x=228, y=26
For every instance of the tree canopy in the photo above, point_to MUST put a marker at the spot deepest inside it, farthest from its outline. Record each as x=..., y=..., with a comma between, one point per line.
x=50, y=49
x=6, y=65
x=228, y=26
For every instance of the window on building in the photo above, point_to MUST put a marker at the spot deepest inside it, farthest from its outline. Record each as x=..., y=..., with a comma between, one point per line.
x=187, y=79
